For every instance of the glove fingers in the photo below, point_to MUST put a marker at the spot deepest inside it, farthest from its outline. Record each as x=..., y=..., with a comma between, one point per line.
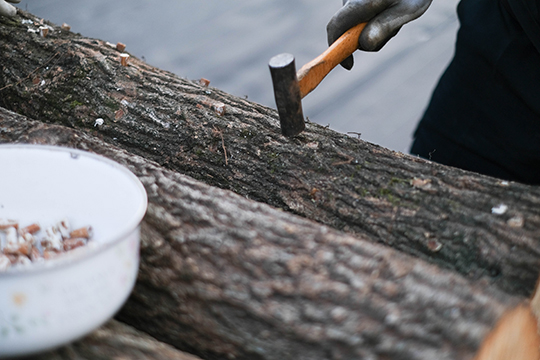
x=348, y=63
x=381, y=44
x=345, y=18
x=386, y=25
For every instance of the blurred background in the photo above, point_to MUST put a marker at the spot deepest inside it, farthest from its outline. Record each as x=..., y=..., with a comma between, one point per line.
x=230, y=42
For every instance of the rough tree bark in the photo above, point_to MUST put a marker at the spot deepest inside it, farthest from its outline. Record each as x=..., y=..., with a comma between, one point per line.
x=435, y=212
x=221, y=275
x=346, y=183
x=115, y=341
x=225, y=277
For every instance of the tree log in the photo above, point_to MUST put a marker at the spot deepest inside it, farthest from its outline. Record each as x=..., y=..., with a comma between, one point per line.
x=225, y=277
x=441, y=214
x=115, y=341
x=222, y=276
x=348, y=184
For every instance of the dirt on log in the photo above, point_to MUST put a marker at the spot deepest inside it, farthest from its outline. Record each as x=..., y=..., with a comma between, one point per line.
x=224, y=277
x=438, y=213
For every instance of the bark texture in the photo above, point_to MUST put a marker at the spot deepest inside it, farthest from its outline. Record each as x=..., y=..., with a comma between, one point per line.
x=115, y=341
x=441, y=214
x=225, y=277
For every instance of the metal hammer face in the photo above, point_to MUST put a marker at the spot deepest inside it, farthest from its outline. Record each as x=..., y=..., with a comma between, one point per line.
x=287, y=94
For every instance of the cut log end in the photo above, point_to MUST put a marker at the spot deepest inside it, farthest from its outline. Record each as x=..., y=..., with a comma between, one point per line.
x=514, y=338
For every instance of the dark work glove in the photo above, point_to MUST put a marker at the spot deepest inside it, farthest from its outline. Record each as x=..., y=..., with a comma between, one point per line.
x=384, y=18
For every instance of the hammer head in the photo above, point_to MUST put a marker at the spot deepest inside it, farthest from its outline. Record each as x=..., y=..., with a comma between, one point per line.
x=287, y=94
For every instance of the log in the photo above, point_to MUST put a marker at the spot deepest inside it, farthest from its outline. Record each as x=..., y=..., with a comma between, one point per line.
x=225, y=277
x=115, y=341
x=440, y=214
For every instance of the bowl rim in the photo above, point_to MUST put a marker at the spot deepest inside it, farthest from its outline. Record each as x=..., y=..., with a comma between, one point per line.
x=89, y=252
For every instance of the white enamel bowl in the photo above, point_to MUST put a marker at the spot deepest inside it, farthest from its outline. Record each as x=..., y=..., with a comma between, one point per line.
x=46, y=305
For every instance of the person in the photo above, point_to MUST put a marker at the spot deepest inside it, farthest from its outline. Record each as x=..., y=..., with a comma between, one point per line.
x=7, y=9
x=484, y=114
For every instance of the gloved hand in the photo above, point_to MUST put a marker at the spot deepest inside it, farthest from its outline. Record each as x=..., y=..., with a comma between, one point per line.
x=7, y=9
x=384, y=17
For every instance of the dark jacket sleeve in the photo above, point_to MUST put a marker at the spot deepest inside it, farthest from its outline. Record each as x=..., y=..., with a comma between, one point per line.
x=487, y=103
x=527, y=13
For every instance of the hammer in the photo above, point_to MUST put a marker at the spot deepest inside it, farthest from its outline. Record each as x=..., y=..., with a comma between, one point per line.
x=291, y=87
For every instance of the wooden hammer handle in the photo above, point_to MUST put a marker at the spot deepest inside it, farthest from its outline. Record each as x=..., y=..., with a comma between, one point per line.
x=311, y=74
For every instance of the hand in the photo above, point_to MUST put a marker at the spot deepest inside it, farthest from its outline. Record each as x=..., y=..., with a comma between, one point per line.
x=384, y=17
x=7, y=9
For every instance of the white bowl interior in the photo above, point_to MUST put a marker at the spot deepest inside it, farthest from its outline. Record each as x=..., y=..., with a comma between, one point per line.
x=47, y=184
